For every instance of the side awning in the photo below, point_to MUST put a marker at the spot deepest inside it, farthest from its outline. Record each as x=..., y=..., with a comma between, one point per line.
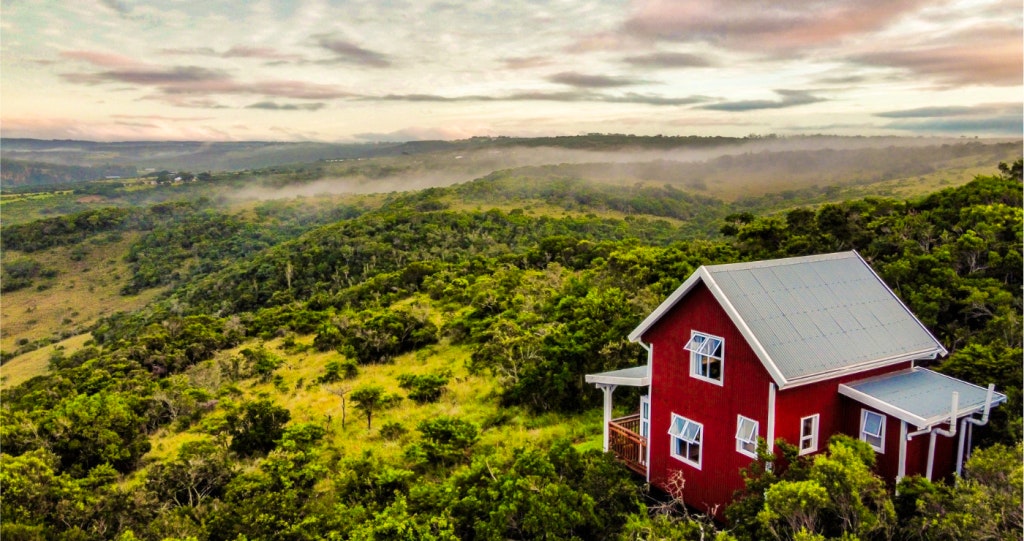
x=636, y=376
x=921, y=397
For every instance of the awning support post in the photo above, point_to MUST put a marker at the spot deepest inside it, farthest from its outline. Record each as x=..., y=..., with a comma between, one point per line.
x=608, y=389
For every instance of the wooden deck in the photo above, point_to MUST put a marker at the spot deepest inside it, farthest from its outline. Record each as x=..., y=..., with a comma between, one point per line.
x=626, y=443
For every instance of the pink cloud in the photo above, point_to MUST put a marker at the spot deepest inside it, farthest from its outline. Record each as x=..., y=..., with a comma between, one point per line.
x=986, y=56
x=172, y=81
x=775, y=26
x=102, y=59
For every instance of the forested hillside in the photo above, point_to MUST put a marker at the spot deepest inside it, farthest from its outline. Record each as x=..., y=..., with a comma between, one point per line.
x=413, y=368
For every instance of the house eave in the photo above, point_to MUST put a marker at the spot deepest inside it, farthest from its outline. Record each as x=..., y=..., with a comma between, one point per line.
x=930, y=353
x=667, y=304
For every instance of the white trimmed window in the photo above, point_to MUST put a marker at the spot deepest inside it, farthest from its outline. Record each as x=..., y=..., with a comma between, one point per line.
x=707, y=354
x=746, y=436
x=686, y=440
x=809, y=434
x=872, y=429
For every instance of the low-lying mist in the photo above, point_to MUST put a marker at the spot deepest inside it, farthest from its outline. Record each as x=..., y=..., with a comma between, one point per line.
x=722, y=169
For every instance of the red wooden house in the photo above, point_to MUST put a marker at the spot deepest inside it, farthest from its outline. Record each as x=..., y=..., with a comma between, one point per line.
x=799, y=349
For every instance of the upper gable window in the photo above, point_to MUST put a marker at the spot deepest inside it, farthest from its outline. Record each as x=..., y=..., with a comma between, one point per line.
x=706, y=356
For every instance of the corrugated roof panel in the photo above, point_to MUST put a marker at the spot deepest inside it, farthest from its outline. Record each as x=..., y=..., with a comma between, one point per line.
x=763, y=307
x=767, y=280
x=864, y=313
x=768, y=334
x=844, y=317
x=826, y=323
x=788, y=276
x=782, y=329
x=818, y=314
x=892, y=316
x=806, y=300
x=874, y=344
x=804, y=326
x=823, y=295
x=924, y=393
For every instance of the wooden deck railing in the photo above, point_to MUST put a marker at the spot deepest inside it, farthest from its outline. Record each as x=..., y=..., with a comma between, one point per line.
x=626, y=443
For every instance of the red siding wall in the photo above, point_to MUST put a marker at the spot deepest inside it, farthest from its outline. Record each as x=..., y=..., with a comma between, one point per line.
x=887, y=463
x=716, y=407
x=824, y=399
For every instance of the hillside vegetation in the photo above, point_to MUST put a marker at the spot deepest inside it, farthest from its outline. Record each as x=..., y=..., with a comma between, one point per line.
x=411, y=366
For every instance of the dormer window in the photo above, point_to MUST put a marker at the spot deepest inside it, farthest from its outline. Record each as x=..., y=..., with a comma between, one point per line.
x=706, y=356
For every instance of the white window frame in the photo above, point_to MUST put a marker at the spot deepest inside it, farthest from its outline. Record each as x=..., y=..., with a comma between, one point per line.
x=811, y=438
x=700, y=347
x=868, y=437
x=746, y=436
x=689, y=433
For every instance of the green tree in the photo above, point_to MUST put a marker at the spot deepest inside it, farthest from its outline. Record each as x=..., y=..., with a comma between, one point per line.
x=88, y=430
x=200, y=472
x=446, y=441
x=984, y=504
x=256, y=427
x=797, y=504
x=424, y=388
x=371, y=398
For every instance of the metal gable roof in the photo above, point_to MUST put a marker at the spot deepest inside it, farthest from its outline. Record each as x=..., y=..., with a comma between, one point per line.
x=811, y=318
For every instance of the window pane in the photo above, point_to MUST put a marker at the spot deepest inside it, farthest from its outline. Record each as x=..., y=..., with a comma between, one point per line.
x=707, y=347
x=693, y=452
x=746, y=429
x=875, y=441
x=872, y=423
x=715, y=369
x=677, y=426
x=695, y=342
x=692, y=432
x=808, y=427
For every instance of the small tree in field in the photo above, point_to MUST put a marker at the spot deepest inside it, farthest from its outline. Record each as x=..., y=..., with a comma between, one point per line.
x=370, y=398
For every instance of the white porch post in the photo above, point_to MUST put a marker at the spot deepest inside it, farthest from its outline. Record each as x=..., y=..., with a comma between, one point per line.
x=960, y=447
x=608, y=390
x=902, y=471
x=931, y=455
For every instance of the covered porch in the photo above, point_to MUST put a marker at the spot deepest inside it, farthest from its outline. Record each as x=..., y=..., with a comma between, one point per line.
x=625, y=437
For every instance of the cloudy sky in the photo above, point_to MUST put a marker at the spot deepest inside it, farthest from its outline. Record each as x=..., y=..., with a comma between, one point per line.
x=372, y=70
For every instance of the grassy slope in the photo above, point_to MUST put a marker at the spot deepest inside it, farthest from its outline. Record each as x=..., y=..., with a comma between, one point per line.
x=470, y=397
x=36, y=363
x=82, y=292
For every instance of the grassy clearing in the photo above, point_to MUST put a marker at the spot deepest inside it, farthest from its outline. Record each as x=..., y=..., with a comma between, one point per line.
x=470, y=397
x=36, y=363
x=83, y=291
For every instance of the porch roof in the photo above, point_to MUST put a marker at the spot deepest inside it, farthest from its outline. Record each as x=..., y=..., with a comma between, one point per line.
x=636, y=376
x=920, y=396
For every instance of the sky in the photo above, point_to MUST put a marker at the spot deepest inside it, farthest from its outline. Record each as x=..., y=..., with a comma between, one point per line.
x=392, y=70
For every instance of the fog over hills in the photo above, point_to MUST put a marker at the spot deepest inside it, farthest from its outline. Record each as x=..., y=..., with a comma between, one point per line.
x=464, y=159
